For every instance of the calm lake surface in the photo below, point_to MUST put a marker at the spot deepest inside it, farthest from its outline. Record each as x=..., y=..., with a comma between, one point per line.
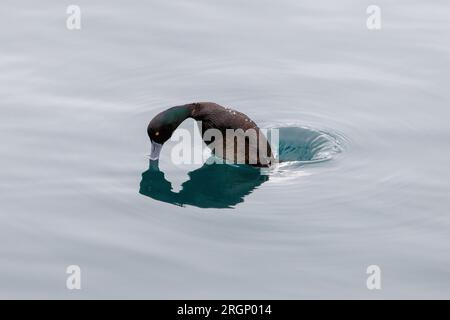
x=74, y=187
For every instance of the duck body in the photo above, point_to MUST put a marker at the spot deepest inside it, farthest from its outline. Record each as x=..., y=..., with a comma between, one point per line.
x=231, y=134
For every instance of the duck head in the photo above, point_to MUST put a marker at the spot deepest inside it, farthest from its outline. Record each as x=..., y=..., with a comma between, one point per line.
x=162, y=126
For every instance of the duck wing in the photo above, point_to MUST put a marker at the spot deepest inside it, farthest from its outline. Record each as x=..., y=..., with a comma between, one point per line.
x=214, y=116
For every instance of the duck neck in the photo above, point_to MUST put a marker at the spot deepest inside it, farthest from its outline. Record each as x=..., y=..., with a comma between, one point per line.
x=176, y=115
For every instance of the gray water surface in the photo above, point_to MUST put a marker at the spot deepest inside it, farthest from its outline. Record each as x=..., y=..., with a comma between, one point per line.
x=74, y=106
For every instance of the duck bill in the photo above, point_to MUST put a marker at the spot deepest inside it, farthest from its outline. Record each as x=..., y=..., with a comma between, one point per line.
x=155, y=150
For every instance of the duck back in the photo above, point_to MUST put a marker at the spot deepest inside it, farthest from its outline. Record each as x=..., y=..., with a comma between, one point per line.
x=256, y=149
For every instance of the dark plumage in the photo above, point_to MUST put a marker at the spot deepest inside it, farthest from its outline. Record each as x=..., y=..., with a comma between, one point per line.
x=213, y=116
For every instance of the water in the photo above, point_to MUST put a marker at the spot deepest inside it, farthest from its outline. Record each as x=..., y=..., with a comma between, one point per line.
x=74, y=187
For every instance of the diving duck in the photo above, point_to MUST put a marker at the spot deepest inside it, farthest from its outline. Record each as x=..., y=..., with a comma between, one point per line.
x=233, y=126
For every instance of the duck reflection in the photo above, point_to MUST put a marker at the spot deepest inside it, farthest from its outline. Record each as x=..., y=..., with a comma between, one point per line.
x=211, y=186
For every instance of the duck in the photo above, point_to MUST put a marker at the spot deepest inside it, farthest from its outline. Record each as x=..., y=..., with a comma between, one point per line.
x=212, y=117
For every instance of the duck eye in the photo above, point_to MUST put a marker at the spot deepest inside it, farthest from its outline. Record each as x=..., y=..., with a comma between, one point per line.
x=157, y=133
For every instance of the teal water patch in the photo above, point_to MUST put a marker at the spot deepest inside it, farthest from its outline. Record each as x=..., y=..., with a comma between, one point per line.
x=307, y=145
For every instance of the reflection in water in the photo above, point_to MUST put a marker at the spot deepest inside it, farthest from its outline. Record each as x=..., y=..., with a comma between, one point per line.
x=224, y=186
x=211, y=186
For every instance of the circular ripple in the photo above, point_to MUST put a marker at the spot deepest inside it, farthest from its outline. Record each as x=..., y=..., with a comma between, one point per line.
x=306, y=145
